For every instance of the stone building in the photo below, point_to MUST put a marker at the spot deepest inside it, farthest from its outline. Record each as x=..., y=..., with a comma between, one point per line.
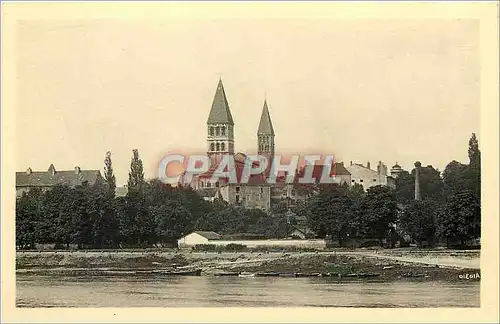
x=220, y=141
x=47, y=179
x=220, y=126
x=256, y=193
x=367, y=177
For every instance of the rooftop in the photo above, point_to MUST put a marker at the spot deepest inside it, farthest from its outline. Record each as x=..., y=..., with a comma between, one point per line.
x=51, y=177
x=209, y=235
x=220, y=113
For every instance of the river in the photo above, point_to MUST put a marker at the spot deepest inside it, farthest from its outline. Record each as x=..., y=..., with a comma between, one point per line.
x=208, y=291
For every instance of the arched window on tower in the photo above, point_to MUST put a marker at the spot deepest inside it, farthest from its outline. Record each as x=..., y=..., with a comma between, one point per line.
x=222, y=146
x=267, y=147
x=211, y=131
x=217, y=131
x=217, y=147
x=223, y=130
x=217, y=184
x=212, y=147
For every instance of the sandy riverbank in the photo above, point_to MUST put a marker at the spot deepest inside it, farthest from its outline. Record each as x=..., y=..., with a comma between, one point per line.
x=390, y=264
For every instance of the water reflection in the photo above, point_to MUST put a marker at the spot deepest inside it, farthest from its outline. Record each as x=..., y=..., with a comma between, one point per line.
x=40, y=291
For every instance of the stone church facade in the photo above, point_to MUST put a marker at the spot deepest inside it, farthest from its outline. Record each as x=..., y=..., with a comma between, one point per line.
x=257, y=193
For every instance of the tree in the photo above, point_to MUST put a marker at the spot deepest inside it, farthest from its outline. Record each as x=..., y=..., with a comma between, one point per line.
x=27, y=215
x=475, y=165
x=456, y=178
x=270, y=227
x=101, y=207
x=81, y=220
x=128, y=233
x=474, y=152
x=138, y=221
x=378, y=210
x=280, y=207
x=109, y=175
x=419, y=221
x=57, y=224
x=356, y=191
x=173, y=220
x=136, y=174
x=431, y=185
x=460, y=219
x=330, y=213
x=405, y=187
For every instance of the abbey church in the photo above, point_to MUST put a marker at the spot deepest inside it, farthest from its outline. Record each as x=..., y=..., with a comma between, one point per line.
x=256, y=193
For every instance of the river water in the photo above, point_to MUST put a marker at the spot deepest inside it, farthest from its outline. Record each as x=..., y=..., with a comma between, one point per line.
x=207, y=291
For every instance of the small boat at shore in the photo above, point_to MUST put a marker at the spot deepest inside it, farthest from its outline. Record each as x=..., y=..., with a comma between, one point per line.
x=288, y=275
x=196, y=272
x=306, y=275
x=227, y=274
x=246, y=275
x=267, y=274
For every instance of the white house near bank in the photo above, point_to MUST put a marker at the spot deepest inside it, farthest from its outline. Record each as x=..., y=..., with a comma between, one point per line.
x=212, y=238
x=198, y=237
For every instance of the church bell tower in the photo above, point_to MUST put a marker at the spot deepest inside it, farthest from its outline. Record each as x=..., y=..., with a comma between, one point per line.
x=265, y=134
x=220, y=127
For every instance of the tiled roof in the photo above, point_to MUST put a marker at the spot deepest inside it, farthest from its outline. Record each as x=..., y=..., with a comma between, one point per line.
x=340, y=169
x=48, y=178
x=265, y=125
x=209, y=235
x=259, y=179
x=220, y=113
x=254, y=179
x=304, y=230
x=317, y=172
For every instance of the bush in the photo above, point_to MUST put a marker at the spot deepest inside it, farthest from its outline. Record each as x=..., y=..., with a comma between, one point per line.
x=204, y=247
x=370, y=243
x=219, y=248
x=291, y=248
x=235, y=247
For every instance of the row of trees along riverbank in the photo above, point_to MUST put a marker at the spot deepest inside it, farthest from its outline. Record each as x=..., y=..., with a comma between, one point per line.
x=91, y=216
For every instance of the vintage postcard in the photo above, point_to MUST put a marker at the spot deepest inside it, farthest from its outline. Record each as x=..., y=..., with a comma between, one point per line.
x=257, y=161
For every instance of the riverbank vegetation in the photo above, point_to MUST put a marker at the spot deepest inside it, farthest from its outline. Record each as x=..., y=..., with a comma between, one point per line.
x=152, y=213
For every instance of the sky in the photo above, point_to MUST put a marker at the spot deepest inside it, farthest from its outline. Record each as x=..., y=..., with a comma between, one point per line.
x=362, y=90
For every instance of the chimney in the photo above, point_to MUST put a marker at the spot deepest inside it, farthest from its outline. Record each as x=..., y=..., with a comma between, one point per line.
x=417, y=180
x=77, y=170
x=368, y=164
x=351, y=162
x=28, y=171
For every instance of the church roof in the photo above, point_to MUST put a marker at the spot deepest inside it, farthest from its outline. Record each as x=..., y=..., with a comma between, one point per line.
x=220, y=113
x=265, y=125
